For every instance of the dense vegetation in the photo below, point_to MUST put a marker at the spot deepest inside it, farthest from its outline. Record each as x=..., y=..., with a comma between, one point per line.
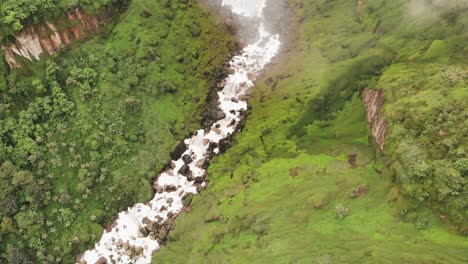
x=303, y=182
x=84, y=133
x=426, y=93
x=15, y=15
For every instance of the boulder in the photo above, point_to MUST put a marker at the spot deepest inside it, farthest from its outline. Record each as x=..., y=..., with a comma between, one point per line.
x=101, y=260
x=178, y=151
x=184, y=170
x=143, y=231
x=170, y=188
x=187, y=159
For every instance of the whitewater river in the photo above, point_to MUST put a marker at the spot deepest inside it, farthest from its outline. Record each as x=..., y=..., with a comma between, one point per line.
x=133, y=237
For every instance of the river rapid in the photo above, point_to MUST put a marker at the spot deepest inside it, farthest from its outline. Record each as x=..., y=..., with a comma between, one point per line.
x=136, y=234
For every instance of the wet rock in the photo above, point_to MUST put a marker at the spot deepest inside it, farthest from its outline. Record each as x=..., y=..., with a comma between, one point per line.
x=243, y=97
x=170, y=188
x=178, y=151
x=143, y=231
x=199, y=180
x=206, y=164
x=217, y=114
x=157, y=188
x=224, y=144
x=173, y=165
x=187, y=159
x=190, y=177
x=150, y=227
x=170, y=200
x=139, y=250
x=234, y=100
x=217, y=130
x=184, y=170
x=359, y=191
x=146, y=220
x=101, y=260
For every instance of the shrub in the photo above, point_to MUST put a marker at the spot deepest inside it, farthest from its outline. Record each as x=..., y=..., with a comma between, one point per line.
x=341, y=211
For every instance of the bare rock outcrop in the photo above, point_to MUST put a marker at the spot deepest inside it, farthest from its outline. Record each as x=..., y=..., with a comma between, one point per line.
x=360, y=6
x=373, y=100
x=36, y=40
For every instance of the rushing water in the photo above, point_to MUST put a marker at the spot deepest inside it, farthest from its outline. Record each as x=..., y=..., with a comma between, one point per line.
x=131, y=240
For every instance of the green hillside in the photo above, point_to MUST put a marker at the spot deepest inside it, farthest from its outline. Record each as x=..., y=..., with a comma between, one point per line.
x=83, y=134
x=304, y=183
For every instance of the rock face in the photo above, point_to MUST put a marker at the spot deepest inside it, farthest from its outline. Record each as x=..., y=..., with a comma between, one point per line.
x=35, y=40
x=360, y=6
x=373, y=100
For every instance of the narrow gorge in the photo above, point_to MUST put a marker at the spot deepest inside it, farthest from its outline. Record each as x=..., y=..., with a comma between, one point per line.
x=140, y=231
x=233, y=131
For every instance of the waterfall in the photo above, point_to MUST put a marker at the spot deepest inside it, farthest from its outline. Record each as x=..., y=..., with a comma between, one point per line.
x=133, y=237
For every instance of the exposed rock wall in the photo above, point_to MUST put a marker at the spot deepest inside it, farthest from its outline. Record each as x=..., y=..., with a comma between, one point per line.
x=374, y=100
x=35, y=40
x=360, y=6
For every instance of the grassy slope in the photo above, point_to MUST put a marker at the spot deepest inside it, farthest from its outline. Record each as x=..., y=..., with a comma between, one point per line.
x=136, y=91
x=275, y=201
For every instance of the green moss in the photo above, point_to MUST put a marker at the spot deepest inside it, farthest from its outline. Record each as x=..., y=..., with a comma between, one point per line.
x=437, y=50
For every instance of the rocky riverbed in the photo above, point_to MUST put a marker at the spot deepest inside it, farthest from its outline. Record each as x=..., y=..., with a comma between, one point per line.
x=140, y=231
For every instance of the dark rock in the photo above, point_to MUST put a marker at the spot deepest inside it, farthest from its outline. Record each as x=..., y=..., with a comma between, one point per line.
x=243, y=97
x=187, y=159
x=143, y=231
x=224, y=144
x=101, y=260
x=190, y=177
x=170, y=188
x=184, y=170
x=234, y=100
x=199, y=180
x=178, y=151
x=146, y=220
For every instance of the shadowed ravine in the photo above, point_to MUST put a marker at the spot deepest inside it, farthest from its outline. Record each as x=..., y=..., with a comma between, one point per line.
x=136, y=235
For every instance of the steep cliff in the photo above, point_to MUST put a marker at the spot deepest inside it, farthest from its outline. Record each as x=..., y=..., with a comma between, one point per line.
x=49, y=38
x=374, y=100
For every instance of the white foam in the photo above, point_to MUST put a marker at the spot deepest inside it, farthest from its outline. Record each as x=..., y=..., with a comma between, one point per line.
x=246, y=68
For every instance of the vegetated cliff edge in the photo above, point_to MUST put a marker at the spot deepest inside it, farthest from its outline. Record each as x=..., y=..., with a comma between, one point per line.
x=413, y=105
x=49, y=37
